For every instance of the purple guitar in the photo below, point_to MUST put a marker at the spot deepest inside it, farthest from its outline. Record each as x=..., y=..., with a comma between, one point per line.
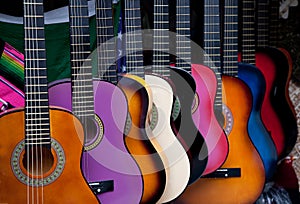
x=102, y=108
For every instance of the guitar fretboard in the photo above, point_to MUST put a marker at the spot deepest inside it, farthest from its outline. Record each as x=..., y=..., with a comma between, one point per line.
x=230, y=41
x=212, y=38
x=161, y=56
x=183, y=44
x=134, y=47
x=37, y=130
x=248, y=32
x=106, y=54
x=81, y=69
x=274, y=22
x=262, y=22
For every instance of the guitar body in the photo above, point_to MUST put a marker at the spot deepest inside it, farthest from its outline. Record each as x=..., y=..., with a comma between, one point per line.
x=257, y=131
x=205, y=118
x=176, y=161
x=269, y=116
x=279, y=95
x=242, y=154
x=108, y=157
x=69, y=187
x=183, y=124
x=10, y=95
x=290, y=62
x=139, y=139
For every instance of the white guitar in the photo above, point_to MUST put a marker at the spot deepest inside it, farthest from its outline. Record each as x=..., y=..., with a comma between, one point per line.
x=176, y=161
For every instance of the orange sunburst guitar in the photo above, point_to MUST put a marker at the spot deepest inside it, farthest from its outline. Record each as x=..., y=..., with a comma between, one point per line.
x=241, y=178
x=40, y=148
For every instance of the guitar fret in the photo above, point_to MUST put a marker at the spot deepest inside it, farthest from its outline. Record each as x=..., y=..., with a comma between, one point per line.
x=80, y=97
x=82, y=91
x=82, y=67
x=81, y=60
x=37, y=106
x=28, y=135
x=37, y=124
x=78, y=16
x=81, y=102
x=33, y=16
x=76, y=26
x=82, y=80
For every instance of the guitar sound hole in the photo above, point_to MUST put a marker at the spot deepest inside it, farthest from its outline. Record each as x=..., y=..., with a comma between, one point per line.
x=91, y=130
x=38, y=160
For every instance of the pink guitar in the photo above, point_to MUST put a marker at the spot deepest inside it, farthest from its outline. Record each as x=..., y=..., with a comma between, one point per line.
x=102, y=108
x=207, y=107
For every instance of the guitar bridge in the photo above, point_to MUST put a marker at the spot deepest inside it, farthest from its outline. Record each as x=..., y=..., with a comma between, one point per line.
x=102, y=186
x=224, y=173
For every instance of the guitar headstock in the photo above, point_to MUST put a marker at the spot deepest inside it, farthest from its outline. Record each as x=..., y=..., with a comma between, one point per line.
x=284, y=7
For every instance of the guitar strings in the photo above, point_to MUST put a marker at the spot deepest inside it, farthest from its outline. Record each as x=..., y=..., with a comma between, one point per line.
x=39, y=143
x=26, y=10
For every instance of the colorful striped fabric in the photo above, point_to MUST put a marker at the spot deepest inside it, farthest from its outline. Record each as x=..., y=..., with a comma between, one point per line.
x=12, y=65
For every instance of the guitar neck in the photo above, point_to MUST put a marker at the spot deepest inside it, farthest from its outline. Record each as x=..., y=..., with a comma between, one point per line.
x=262, y=23
x=212, y=34
x=274, y=22
x=230, y=41
x=134, y=47
x=37, y=126
x=161, y=56
x=106, y=54
x=183, y=44
x=212, y=57
x=248, y=32
x=81, y=68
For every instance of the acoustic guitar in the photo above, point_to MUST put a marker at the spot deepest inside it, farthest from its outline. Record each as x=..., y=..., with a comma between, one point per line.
x=139, y=138
x=176, y=160
x=273, y=42
x=38, y=162
x=101, y=107
x=238, y=180
x=255, y=79
x=207, y=110
x=266, y=65
x=185, y=86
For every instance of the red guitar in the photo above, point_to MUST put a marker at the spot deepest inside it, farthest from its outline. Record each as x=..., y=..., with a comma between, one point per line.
x=276, y=113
